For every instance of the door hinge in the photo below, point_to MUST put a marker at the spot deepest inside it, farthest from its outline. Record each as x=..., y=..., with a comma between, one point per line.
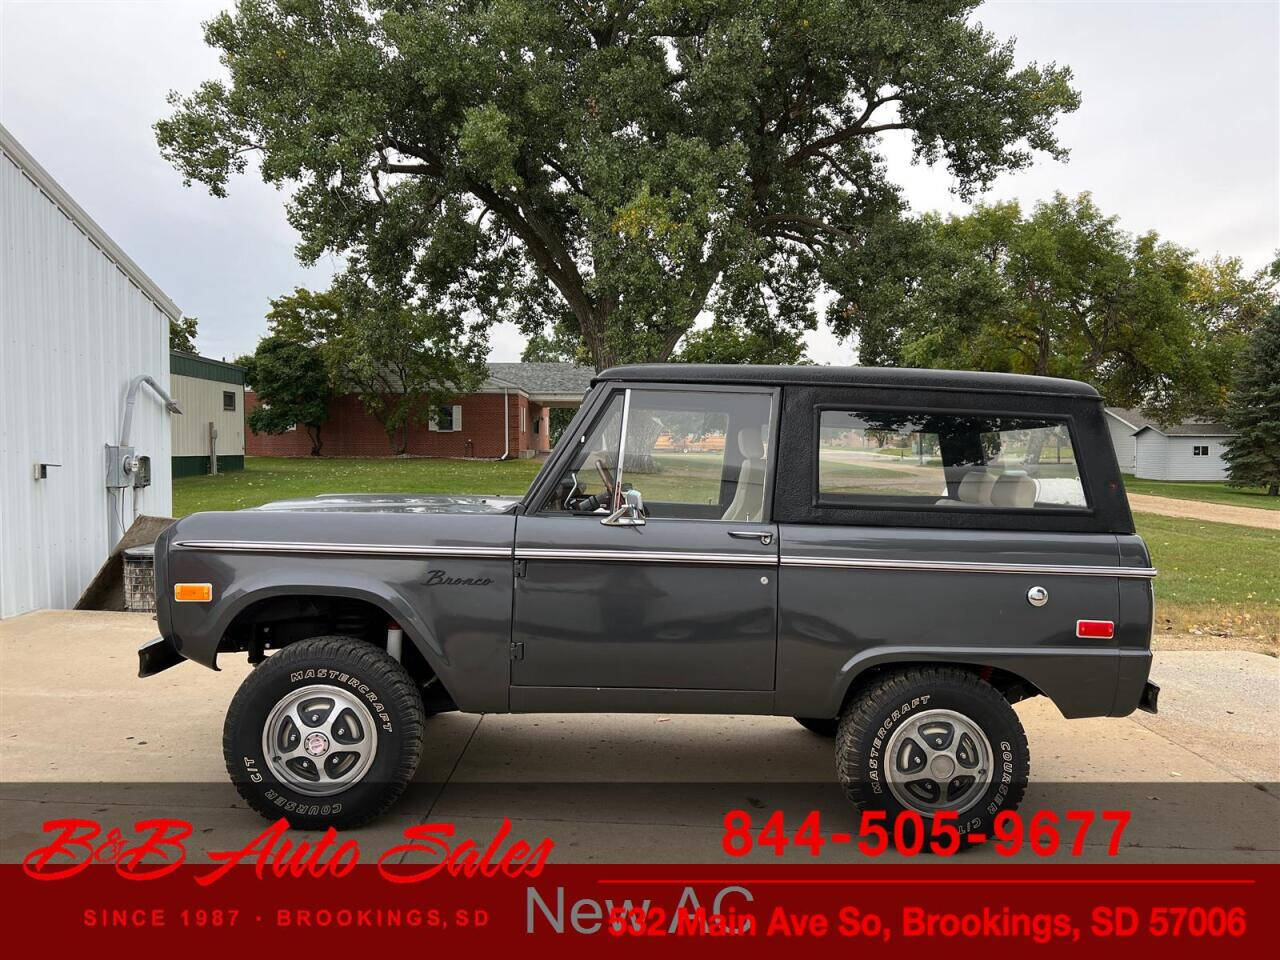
x=520, y=567
x=517, y=650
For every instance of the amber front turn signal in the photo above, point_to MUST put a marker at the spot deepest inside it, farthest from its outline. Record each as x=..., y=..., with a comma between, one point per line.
x=193, y=592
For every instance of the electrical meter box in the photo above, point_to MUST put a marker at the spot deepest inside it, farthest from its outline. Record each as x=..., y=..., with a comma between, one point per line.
x=121, y=466
x=142, y=476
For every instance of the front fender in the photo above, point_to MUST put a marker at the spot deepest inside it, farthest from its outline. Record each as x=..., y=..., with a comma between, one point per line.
x=205, y=642
x=455, y=607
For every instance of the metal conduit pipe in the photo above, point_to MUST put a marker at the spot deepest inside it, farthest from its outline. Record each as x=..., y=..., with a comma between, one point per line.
x=132, y=396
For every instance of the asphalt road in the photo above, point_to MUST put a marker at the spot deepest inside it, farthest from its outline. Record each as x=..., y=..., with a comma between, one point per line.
x=81, y=735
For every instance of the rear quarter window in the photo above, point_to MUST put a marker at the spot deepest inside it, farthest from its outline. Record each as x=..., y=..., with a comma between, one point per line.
x=892, y=459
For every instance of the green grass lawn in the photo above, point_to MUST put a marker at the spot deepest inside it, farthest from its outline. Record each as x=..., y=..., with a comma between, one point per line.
x=264, y=479
x=1210, y=492
x=1214, y=577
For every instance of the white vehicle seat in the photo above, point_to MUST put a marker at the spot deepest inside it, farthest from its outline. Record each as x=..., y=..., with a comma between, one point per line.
x=974, y=489
x=748, y=499
x=1014, y=490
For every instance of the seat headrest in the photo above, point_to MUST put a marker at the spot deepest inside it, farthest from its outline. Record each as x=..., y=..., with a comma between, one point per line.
x=1014, y=490
x=751, y=443
x=975, y=486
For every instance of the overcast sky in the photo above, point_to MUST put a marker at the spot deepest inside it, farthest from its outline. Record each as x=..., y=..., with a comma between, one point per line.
x=1179, y=132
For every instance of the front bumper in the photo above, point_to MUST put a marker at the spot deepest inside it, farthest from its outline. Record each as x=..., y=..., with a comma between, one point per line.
x=157, y=656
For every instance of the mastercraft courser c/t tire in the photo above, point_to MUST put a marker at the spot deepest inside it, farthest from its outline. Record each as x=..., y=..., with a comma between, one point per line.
x=327, y=732
x=929, y=739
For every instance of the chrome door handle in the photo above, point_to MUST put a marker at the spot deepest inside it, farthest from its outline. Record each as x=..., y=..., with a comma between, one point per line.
x=764, y=536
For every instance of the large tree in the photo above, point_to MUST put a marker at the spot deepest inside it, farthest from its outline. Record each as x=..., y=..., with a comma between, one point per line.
x=403, y=361
x=292, y=387
x=1062, y=291
x=727, y=342
x=182, y=334
x=1253, y=411
x=609, y=168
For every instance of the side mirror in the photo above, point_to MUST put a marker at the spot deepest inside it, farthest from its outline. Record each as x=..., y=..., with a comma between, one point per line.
x=630, y=514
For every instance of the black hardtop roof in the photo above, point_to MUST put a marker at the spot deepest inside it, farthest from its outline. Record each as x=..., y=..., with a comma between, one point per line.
x=881, y=377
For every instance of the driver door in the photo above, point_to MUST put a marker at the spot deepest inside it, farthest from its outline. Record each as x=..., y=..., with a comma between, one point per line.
x=683, y=599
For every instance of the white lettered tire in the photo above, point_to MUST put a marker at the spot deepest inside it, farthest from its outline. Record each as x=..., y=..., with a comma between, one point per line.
x=933, y=739
x=327, y=732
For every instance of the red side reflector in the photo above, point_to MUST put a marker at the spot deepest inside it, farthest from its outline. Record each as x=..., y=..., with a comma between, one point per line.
x=1099, y=629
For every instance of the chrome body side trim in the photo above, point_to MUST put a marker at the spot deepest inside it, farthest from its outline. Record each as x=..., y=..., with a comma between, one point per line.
x=652, y=556
x=958, y=566
x=342, y=549
x=648, y=556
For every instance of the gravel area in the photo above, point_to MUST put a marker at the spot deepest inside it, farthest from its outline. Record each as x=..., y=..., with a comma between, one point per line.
x=1203, y=510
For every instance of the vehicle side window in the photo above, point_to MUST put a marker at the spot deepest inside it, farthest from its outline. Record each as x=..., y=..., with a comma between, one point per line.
x=585, y=484
x=944, y=460
x=696, y=454
x=690, y=454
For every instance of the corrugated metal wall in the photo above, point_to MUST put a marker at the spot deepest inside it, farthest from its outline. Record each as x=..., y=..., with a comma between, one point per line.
x=74, y=330
x=201, y=402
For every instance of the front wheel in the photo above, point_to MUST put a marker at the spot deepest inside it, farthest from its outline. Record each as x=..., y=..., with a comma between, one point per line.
x=933, y=740
x=327, y=732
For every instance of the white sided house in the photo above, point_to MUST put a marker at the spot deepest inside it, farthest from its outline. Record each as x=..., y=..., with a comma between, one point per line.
x=1180, y=451
x=84, y=375
x=209, y=436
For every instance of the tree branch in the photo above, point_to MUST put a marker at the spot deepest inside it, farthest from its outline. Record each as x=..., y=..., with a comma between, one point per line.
x=858, y=128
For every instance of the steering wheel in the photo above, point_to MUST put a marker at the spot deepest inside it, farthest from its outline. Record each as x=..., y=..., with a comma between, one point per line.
x=606, y=477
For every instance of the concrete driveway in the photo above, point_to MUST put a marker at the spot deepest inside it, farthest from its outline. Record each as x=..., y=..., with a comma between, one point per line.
x=80, y=735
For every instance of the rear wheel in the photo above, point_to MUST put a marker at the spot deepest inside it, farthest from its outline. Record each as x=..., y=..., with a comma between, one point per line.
x=933, y=740
x=327, y=732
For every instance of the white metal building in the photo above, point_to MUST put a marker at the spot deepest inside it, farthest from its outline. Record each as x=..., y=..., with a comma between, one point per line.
x=1180, y=451
x=80, y=323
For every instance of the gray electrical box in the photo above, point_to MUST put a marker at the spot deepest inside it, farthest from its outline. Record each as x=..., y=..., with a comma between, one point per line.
x=142, y=476
x=122, y=466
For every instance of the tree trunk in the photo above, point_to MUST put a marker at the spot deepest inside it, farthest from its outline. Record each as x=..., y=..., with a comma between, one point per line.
x=316, y=443
x=1274, y=489
x=395, y=439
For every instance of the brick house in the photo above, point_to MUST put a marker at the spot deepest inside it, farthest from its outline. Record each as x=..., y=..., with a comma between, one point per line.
x=471, y=427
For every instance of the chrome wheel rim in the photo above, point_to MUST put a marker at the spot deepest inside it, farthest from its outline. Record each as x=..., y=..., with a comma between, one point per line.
x=319, y=740
x=938, y=760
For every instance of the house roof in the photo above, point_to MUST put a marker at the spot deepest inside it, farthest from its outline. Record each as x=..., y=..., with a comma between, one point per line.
x=549, y=380
x=184, y=364
x=1130, y=418
x=881, y=377
x=1190, y=428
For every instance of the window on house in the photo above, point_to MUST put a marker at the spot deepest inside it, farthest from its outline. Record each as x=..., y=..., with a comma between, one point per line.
x=1200, y=450
x=524, y=428
x=446, y=419
x=228, y=400
x=879, y=459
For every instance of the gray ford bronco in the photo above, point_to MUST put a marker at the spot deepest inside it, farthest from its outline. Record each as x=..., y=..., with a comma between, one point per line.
x=893, y=557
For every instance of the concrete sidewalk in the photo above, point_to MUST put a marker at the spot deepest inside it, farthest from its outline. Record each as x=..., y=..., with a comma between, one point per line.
x=81, y=735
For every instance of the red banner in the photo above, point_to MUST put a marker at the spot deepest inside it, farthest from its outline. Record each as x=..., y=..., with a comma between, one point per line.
x=1055, y=908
